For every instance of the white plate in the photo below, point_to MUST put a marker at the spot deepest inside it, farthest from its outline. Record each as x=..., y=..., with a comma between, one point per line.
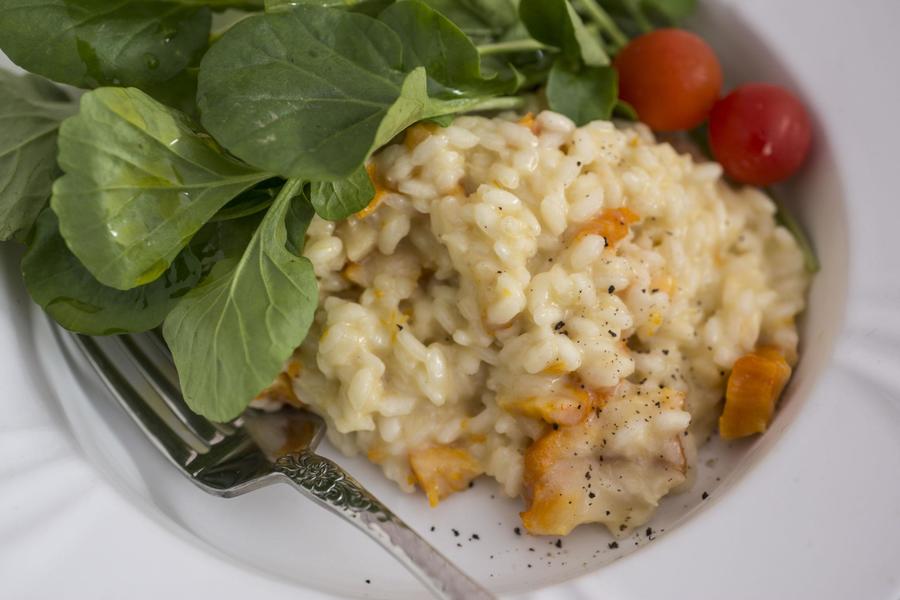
x=808, y=511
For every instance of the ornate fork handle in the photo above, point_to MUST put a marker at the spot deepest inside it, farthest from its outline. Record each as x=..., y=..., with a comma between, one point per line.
x=330, y=486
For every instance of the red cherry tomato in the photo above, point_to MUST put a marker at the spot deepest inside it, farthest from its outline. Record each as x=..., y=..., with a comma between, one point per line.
x=760, y=133
x=671, y=77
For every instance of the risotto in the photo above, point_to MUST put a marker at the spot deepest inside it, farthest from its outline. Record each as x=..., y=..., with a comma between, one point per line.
x=556, y=308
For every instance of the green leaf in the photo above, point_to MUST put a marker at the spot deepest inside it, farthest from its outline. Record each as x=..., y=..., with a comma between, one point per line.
x=309, y=92
x=337, y=200
x=784, y=218
x=432, y=41
x=179, y=93
x=31, y=110
x=249, y=202
x=482, y=20
x=624, y=110
x=89, y=43
x=231, y=335
x=299, y=215
x=700, y=137
x=59, y=283
x=368, y=7
x=556, y=23
x=671, y=10
x=139, y=182
x=583, y=96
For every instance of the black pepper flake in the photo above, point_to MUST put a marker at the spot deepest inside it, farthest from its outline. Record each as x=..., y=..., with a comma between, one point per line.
x=704, y=495
x=558, y=544
x=666, y=352
x=612, y=333
x=559, y=325
x=471, y=484
x=455, y=532
x=432, y=528
x=368, y=581
x=475, y=536
x=399, y=327
x=592, y=495
x=555, y=426
x=458, y=545
x=613, y=545
x=611, y=289
x=518, y=531
x=531, y=549
x=649, y=532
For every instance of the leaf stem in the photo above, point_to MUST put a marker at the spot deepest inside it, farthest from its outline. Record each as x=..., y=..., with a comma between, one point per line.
x=787, y=220
x=501, y=103
x=526, y=45
x=638, y=15
x=602, y=18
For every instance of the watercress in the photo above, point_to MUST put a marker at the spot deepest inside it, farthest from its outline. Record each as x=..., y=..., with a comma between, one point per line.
x=139, y=182
x=585, y=95
x=557, y=23
x=336, y=200
x=231, y=335
x=89, y=43
x=336, y=85
x=31, y=110
x=432, y=41
x=60, y=284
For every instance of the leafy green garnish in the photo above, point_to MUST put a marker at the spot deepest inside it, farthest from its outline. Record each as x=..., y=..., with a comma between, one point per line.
x=337, y=200
x=58, y=281
x=231, y=335
x=624, y=110
x=585, y=95
x=369, y=7
x=249, y=202
x=329, y=82
x=556, y=23
x=139, y=182
x=671, y=10
x=31, y=110
x=89, y=43
x=481, y=20
x=431, y=40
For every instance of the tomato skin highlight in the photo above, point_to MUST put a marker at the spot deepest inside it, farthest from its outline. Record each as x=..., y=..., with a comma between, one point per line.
x=760, y=133
x=671, y=77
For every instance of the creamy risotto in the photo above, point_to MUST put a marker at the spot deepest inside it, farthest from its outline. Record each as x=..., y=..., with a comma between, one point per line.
x=556, y=308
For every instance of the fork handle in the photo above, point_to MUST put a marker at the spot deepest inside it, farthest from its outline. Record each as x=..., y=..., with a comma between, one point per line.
x=332, y=487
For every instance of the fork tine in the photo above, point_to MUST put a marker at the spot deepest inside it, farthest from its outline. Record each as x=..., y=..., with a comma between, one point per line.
x=171, y=395
x=156, y=339
x=163, y=436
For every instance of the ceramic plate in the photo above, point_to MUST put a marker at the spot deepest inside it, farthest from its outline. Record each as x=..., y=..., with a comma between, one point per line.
x=810, y=510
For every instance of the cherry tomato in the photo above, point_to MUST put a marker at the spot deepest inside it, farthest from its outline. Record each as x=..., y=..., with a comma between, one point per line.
x=760, y=133
x=671, y=77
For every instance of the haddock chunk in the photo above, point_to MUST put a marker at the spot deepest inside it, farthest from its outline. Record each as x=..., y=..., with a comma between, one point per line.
x=612, y=468
x=442, y=470
x=754, y=386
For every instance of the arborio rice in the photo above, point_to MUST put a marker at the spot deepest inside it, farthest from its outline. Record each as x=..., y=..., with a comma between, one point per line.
x=555, y=307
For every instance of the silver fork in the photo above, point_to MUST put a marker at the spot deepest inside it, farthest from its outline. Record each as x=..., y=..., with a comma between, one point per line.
x=231, y=459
